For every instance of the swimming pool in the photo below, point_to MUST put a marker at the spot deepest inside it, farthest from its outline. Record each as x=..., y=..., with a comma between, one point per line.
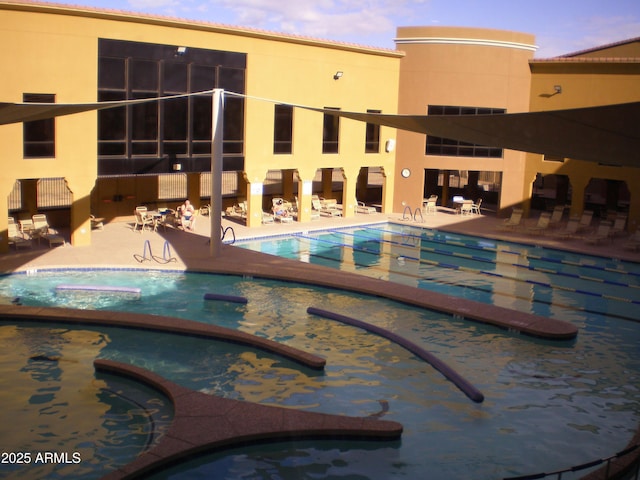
x=527, y=278
x=542, y=398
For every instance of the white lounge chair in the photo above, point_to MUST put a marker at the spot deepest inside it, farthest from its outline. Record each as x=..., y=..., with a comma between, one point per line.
x=362, y=208
x=601, y=234
x=513, y=221
x=542, y=225
x=16, y=238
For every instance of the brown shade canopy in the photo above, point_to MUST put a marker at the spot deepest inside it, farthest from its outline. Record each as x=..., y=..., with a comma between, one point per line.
x=609, y=134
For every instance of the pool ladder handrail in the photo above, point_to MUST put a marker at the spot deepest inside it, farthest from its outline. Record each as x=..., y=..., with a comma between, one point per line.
x=415, y=214
x=224, y=231
x=166, y=253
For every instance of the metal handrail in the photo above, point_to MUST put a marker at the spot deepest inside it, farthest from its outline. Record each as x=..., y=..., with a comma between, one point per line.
x=224, y=233
x=584, y=466
x=404, y=217
x=415, y=214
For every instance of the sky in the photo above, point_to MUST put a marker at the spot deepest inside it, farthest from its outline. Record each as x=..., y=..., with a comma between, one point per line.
x=560, y=26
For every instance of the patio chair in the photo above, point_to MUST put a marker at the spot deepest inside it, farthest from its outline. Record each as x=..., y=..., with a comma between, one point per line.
x=466, y=207
x=475, y=207
x=542, y=225
x=15, y=237
x=430, y=206
x=601, y=234
x=142, y=220
x=513, y=221
x=96, y=224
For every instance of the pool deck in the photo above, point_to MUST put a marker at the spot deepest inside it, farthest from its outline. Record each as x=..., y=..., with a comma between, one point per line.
x=118, y=246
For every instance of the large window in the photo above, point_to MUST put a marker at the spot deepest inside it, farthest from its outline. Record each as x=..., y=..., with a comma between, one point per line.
x=330, y=132
x=39, y=136
x=456, y=148
x=372, y=136
x=151, y=137
x=283, y=129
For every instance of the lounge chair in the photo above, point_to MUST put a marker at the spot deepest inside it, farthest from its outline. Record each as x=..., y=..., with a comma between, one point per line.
x=633, y=242
x=42, y=230
x=556, y=216
x=96, y=224
x=329, y=207
x=619, y=227
x=570, y=231
x=267, y=217
x=585, y=221
x=513, y=222
x=281, y=211
x=16, y=238
x=542, y=225
x=362, y=208
x=601, y=234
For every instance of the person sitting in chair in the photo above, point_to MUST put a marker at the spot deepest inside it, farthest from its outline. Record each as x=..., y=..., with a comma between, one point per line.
x=186, y=214
x=280, y=210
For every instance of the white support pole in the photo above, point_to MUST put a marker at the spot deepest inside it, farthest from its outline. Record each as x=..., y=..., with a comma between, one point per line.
x=217, y=125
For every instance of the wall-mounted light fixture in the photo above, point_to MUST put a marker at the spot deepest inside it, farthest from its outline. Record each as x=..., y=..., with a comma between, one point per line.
x=390, y=145
x=557, y=89
x=181, y=51
x=337, y=75
x=177, y=167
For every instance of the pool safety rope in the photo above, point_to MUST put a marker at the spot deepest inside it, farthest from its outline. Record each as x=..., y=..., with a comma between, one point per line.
x=469, y=390
x=489, y=273
x=225, y=298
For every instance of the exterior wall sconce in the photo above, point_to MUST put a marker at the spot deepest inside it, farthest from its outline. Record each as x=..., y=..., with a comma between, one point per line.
x=181, y=51
x=557, y=89
x=390, y=145
x=337, y=75
x=177, y=167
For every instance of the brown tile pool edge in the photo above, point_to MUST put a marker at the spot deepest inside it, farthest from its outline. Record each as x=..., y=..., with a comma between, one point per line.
x=240, y=261
x=158, y=323
x=205, y=423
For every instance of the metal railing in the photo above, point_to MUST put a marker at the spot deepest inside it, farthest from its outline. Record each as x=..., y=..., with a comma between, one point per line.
x=409, y=214
x=632, y=472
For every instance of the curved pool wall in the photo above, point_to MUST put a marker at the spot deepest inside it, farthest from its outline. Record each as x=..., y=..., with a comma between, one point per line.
x=541, y=397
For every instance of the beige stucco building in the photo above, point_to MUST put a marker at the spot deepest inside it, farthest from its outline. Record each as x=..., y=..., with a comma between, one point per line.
x=159, y=153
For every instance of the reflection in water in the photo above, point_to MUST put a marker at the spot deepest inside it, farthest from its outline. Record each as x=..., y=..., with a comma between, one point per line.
x=57, y=411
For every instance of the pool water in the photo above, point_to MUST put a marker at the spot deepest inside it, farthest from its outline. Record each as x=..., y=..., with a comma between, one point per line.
x=527, y=278
x=548, y=405
x=52, y=401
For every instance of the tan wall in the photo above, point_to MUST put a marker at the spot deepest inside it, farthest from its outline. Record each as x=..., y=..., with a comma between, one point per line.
x=53, y=49
x=460, y=67
x=586, y=83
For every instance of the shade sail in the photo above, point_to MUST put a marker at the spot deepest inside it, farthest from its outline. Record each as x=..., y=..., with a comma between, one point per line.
x=608, y=134
x=26, y=112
